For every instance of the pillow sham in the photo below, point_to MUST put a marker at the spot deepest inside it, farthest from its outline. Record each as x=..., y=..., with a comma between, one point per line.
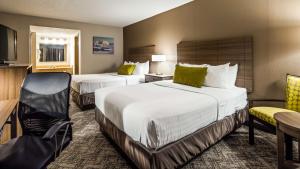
x=128, y=63
x=217, y=76
x=126, y=69
x=191, y=76
x=232, y=75
x=141, y=68
x=146, y=67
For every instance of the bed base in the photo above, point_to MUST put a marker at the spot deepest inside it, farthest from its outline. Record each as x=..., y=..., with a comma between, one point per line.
x=176, y=154
x=84, y=101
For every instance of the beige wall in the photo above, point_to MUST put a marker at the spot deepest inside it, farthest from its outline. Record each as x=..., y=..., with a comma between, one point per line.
x=274, y=25
x=89, y=62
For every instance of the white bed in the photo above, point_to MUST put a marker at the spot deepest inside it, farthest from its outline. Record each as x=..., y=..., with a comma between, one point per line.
x=159, y=113
x=88, y=83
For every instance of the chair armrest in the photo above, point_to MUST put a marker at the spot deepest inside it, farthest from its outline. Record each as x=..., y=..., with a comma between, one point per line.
x=55, y=128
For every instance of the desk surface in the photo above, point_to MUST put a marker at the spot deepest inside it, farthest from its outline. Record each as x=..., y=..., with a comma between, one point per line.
x=6, y=108
x=15, y=66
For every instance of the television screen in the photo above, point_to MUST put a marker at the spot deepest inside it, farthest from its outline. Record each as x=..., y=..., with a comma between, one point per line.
x=8, y=44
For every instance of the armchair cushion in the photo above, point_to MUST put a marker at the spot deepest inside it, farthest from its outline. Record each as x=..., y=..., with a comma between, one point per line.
x=267, y=113
x=293, y=93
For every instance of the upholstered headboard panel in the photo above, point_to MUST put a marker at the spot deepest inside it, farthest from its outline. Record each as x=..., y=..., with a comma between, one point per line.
x=214, y=52
x=140, y=54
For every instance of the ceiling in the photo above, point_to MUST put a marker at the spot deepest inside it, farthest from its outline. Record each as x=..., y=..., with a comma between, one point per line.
x=118, y=13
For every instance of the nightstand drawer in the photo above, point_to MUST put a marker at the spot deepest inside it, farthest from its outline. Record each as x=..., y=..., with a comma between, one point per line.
x=153, y=78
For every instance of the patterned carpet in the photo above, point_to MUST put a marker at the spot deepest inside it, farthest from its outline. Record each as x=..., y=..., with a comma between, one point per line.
x=91, y=150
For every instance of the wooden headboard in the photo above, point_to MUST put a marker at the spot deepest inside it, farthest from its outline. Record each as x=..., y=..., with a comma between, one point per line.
x=235, y=50
x=140, y=54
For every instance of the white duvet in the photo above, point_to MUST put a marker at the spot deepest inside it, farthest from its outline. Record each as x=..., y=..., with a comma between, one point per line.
x=159, y=113
x=88, y=83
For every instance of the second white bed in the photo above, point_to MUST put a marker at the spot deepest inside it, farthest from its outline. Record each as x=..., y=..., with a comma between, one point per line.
x=159, y=113
x=88, y=83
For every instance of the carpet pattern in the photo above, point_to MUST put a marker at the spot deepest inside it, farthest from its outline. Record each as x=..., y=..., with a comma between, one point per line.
x=90, y=149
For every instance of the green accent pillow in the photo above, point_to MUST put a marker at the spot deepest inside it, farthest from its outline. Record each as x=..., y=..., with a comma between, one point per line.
x=191, y=76
x=126, y=69
x=293, y=93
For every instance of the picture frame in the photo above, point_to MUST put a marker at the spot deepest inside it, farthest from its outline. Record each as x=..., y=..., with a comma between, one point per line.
x=103, y=45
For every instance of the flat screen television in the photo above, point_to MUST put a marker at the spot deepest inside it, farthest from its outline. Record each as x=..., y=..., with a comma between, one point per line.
x=8, y=45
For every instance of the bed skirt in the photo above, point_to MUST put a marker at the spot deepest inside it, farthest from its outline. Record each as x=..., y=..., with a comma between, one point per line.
x=175, y=154
x=84, y=101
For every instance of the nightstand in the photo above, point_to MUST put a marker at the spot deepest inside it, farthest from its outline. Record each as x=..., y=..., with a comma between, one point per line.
x=154, y=77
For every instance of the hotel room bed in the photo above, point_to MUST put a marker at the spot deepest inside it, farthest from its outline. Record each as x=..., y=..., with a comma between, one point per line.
x=165, y=125
x=84, y=86
x=162, y=115
x=156, y=114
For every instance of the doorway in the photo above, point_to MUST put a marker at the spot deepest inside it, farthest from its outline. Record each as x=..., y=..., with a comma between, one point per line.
x=54, y=49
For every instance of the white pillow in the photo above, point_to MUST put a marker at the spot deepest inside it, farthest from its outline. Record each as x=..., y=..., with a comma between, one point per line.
x=146, y=67
x=232, y=74
x=139, y=69
x=192, y=65
x=217, y=76
x=129, y=63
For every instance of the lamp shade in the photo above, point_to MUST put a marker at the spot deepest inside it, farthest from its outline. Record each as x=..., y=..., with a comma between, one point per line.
x=158, y=58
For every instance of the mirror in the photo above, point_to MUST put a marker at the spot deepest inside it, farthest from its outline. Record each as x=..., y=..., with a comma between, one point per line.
x=52, y=52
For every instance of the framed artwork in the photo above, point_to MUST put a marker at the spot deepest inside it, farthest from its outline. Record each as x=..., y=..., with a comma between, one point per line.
x=103, y=45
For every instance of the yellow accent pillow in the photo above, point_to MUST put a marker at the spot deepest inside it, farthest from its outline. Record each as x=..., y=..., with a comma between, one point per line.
x=267, y=113
x=126, y=69
x=191, y=76
x=293, y=93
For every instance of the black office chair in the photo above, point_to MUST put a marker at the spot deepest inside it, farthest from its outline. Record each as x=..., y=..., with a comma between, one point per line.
x=43, y=113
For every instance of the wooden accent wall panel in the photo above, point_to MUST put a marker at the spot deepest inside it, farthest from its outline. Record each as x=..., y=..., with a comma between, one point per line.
x=235, y=50
x=33, y=50
x=76, y=53
x=140, y=54
x=11, y=79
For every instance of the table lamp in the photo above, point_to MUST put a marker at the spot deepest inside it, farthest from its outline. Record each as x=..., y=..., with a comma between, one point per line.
x=158, y=58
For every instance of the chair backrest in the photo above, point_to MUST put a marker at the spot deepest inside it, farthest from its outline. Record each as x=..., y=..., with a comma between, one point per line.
x=293, y=93
x=44, y=100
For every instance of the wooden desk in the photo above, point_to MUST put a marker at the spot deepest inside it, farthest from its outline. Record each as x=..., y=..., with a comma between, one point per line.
x=8, y=115
x=288, y=127
x=11, y=79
